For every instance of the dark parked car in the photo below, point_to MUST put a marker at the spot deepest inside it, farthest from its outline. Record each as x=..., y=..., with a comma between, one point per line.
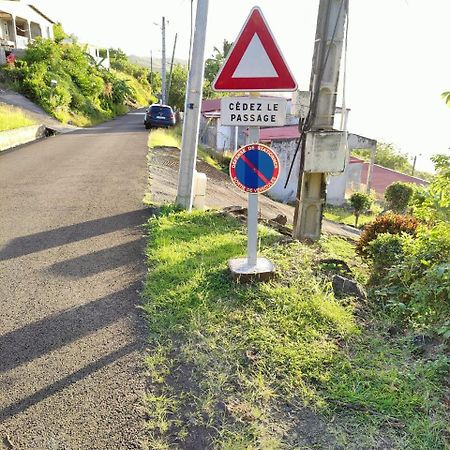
x=159, y=116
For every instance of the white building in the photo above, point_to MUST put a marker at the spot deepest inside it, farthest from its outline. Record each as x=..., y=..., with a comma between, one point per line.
x=20, y=23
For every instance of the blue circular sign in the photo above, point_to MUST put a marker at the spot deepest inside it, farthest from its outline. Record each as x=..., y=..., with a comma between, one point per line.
x=254, y=168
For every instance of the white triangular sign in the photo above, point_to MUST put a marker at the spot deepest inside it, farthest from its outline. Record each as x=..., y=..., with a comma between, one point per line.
x=255, y=63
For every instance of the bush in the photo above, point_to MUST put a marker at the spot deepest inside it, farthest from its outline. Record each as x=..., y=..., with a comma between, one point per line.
x=359, y=202
x=385, y=251
x=84, y=93
x=398, y=196
x=417, y=285
x=388, y=223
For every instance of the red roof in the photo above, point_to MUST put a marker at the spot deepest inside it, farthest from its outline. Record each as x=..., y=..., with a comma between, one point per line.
x=382, y=177
x=287, y=132
x=211, y=105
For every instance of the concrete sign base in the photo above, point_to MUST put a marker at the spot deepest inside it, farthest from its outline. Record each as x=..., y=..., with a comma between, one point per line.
x=243, y=272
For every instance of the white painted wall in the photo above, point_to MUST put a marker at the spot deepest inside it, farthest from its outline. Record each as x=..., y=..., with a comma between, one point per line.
x=285, y=150
x=338, y=184
x=23, y=10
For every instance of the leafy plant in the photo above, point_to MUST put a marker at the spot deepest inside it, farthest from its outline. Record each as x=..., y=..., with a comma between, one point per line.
x=359, y=202
x=388, y=223
x=385, y=251
x=432, y=205
x=398, y=196
x=417, y=285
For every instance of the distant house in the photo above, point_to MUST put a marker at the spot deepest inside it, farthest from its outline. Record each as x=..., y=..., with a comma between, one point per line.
x=382, y=177
x=20, y=23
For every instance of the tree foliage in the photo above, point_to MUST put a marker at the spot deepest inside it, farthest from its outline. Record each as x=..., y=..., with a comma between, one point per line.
x=433, y=203
x=212, y=67
x=359, y=202
x=83, y=92
x=398, y=196
x=177, y=92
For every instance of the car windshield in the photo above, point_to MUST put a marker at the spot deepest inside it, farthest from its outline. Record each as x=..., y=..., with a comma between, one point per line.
x=161, y=111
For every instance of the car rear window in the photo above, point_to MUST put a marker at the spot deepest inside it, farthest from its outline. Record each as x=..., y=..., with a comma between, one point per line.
x=161, y=111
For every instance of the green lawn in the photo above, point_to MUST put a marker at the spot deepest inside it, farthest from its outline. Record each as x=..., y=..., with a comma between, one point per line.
x=345, y=216
x=11, y=118
x=279, y=365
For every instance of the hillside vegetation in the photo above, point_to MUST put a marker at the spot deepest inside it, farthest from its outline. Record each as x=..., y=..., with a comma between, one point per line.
x=65, y=81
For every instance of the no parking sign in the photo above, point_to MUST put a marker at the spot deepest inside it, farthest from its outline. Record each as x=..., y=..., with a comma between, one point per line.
x=254, y=168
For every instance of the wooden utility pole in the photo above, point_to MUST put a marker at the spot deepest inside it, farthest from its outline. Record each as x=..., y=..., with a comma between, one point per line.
x=163, y=62
x=171, y=67
x=311, y=192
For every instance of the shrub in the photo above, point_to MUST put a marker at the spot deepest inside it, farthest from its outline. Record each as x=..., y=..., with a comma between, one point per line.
x=417, y=285
x=385, y=251
x=359, y=202
x=398, y=196
x=388, y=223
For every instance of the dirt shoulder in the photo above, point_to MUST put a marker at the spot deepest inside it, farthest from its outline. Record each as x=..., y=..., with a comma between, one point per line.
x=220, y=191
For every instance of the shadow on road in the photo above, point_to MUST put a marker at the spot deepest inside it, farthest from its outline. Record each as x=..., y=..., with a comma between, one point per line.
x=57, y=330
x=67, y=381
x=72, y=233
x=93, y=263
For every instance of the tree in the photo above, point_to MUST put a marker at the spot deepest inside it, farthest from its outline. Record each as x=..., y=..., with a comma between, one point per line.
x=359, y=202
x=398, y=196
x=446, y=97
x=388, y=156
x=212, y=67
x=177, y=92
x=58, y=32
x=433, y=205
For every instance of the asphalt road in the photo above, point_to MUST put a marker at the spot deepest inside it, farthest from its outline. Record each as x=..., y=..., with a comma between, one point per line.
x=71, y=266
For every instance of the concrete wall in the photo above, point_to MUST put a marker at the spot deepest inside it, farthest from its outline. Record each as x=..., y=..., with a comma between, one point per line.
x=19, y=136
x=338, y=184
x=285, y=149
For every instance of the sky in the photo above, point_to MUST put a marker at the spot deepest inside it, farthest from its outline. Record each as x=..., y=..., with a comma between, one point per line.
x=397, y=60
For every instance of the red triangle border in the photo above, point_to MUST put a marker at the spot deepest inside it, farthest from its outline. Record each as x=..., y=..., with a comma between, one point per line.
x=255, y=24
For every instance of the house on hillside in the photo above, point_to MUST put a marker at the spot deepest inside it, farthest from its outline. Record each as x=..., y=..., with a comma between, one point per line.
x=20, y=23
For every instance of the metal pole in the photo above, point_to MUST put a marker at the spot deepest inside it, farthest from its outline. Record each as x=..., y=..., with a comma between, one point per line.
x=373, y=154
x=252, y=213
x=185, y=192
x=171, y=67
x=163, y=61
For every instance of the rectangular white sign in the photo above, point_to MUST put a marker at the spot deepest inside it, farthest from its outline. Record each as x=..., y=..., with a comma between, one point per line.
x=326, y=151
x=253, y=111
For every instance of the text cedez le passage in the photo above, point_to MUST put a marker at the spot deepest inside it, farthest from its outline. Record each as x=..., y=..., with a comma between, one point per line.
x=246, y=117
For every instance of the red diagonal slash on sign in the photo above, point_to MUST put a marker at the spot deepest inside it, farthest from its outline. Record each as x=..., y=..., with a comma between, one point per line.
x=254, y=168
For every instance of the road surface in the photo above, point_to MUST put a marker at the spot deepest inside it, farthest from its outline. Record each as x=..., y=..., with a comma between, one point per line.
x=71, y=266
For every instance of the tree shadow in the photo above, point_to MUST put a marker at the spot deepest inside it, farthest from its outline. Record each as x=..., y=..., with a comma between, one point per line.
x=44, y=240
x=67, y=381
x=57, y=330
x=93, y=263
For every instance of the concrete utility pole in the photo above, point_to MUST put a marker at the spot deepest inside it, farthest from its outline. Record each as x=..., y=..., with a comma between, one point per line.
x=163, y=62
x=171, y=67
x=194, y=90
x=311, y=190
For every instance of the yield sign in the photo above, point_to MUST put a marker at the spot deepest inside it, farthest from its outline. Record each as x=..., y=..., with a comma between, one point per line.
x=255, y=62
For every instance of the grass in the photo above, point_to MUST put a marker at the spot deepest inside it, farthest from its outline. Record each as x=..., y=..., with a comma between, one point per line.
x=171, y=137
x=346, y=216
x=279, y=365
x=12, y=118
